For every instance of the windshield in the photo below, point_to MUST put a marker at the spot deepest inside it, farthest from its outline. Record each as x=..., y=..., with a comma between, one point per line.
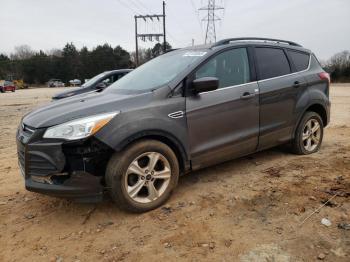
x=93, y=80
x=159, y=71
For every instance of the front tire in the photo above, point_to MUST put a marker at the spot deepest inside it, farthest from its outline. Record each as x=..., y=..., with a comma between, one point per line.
x=142, y=177
x=309, y=134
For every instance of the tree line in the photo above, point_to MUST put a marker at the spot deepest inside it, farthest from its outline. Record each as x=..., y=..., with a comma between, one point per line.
x=69, y=63
x=338, y=66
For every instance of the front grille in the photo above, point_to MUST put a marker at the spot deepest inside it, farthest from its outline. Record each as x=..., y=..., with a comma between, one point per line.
x=35, y=157
x=40, y=165
x=21, y=158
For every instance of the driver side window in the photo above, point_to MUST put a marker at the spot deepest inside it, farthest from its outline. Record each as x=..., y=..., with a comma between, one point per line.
x=230, y=67
x=106, y=81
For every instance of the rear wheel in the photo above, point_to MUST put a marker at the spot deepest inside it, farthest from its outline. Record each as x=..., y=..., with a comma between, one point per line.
x=143, y=176
x=309, y=134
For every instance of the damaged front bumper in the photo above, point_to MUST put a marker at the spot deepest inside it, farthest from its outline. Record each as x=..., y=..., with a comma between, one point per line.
x=62, y=169
x=82, y=187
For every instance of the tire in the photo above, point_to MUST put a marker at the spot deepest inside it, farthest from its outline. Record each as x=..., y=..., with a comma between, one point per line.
x=121, y=180
x=308, y=138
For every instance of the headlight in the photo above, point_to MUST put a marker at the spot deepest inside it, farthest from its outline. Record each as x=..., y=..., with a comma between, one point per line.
x=79, y=128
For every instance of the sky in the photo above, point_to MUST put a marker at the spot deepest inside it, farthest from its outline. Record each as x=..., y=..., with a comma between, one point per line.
x=320, y=25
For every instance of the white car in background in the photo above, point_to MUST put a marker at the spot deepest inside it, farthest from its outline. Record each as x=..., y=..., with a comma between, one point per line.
x=75, y=82
x=55, y=83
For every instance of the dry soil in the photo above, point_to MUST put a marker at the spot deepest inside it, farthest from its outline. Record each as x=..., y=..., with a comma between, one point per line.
x=256, y=208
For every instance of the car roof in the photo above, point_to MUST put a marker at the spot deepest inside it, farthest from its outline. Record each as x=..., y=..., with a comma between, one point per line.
x=253, y=41
x=118, y=71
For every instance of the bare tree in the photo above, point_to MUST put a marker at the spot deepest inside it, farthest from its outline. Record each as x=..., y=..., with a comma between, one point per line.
x=339, y=66
x=22, y=52
x=54, y=52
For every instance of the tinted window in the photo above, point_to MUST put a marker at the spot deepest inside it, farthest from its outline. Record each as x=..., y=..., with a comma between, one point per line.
x=300, y=60
x=230, y=67
x=118, y=76
x=272, y=62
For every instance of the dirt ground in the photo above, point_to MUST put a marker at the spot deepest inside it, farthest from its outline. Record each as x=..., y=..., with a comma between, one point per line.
x=257, y=208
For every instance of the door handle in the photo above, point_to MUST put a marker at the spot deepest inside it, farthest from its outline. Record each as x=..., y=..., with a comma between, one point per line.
x=296, y=84
x=247, y=95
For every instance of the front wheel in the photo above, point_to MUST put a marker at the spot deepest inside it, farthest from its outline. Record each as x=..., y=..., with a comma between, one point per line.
x=143, y=176
x=309, y=134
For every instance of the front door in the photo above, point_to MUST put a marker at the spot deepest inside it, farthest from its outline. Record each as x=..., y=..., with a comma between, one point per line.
x=224, y=123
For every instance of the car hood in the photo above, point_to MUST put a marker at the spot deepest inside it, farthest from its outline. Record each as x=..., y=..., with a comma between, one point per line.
x=84, y=105
x=71, y=92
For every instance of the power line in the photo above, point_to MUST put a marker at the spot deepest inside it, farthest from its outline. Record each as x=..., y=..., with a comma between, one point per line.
x=159, y=18
x=136, y=5
x=142, y=5
x=128, y=7
x=197, y=16
x=136, y=10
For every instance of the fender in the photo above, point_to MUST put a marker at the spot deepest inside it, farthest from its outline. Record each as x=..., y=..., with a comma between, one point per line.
x=162, y=136
x=151, y=121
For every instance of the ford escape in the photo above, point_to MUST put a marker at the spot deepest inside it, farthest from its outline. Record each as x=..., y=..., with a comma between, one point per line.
x=182, y=111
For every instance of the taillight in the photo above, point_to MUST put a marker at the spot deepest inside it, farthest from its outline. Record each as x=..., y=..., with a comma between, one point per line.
x=325, y=76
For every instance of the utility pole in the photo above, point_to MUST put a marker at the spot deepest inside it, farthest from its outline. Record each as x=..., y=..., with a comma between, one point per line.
x=137, y=45
x=211, y=18
x=164, y=31
x=150, y=36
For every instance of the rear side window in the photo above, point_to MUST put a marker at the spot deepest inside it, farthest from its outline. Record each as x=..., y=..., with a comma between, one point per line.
x=300, y=60
x=272, y=62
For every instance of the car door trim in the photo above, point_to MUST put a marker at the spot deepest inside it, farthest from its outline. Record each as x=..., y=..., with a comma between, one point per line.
x=229, y=87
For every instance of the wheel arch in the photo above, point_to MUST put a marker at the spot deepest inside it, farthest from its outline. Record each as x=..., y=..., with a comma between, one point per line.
x=316, y=107
x=319, y=109
x=163, y=137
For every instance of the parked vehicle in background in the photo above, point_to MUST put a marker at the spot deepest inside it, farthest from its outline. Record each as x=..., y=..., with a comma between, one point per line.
x=75, y=82
x=97, y=83
x=182, y=111
x=7, y=86
x=55, y=83
x=20, y=84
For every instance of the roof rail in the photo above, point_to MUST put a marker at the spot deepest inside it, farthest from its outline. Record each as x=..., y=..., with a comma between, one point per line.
x=228, y=40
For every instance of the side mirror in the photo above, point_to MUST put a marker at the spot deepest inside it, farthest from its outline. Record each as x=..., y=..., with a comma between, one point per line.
x=205, y=84
x=100, y=85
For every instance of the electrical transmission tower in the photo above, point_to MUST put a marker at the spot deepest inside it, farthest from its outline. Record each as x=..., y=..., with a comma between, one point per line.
x=211, y=18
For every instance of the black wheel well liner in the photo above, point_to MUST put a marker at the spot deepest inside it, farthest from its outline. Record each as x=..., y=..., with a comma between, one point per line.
x=319, y=109
x=165, y=138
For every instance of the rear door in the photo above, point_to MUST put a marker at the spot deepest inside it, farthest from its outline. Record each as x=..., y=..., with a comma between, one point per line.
x=224, y=123
x=280, y=88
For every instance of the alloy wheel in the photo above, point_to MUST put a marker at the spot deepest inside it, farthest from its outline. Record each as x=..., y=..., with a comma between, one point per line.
x=311, y=135
x=147, y=177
